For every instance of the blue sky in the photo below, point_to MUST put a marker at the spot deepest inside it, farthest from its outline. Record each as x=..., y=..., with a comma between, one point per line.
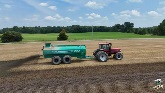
x=143, y=13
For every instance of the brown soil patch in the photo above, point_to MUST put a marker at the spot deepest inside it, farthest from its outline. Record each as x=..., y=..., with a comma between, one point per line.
x=22, y=69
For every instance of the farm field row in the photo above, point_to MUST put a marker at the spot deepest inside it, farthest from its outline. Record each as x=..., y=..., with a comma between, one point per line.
x=23, y=69
x=134, y=51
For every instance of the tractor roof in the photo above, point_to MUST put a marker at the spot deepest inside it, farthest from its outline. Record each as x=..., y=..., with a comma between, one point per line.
x=103, y=43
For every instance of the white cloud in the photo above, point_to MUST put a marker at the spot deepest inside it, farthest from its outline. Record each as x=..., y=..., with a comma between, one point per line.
x=67, y=1
x=67, y=19
x=153, y=13
x=80, y=17
x=93, y=16
x=7, y=6
x=125, y=15
x=97, y=17
x=135, y=13
x=72, y=9
x=129, y=13
x=162, y=2
x=113, y=14
x=85, y=1
x=50, y=18
x=105, y=18
x=161, y=9
x=52, y=7
x=77, y=2
x=94, y=5
x=7, y=18
x=43, y=4
x=32, y=18
x=58, y=17
x=35, y=4
x=135, y=1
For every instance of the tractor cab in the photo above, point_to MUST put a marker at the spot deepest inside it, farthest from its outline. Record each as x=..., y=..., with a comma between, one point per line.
x=105, y=46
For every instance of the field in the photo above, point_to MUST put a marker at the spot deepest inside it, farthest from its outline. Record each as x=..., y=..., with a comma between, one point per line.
x=23, y=69
x=86, y=36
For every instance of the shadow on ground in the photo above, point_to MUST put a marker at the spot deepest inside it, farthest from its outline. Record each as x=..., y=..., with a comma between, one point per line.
x=7, y=65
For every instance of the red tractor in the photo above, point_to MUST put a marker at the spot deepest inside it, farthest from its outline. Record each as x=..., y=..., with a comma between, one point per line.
x=105, y=50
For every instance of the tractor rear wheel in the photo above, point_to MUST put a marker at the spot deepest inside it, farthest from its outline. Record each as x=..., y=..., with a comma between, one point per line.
x=102, y=56
x=118, y=56
x=94, y=53
x=67, y=59
x=56, y=60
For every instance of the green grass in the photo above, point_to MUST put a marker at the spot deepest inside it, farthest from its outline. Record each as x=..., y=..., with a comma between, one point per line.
x=86, y=36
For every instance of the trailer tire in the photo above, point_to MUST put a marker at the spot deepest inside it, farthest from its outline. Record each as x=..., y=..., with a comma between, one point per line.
x=118, y=56
x=67, y=59
x=102, y=56
x=56, y=60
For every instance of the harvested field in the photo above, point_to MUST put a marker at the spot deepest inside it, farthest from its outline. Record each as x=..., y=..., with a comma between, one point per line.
x=22, y=69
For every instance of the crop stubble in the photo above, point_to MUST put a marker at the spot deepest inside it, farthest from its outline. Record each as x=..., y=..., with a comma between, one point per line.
x=22, y=69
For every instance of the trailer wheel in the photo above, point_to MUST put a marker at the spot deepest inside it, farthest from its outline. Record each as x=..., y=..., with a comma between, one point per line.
x=67, y=59
x=56, y=60
x=102, y=56
x=118, y=56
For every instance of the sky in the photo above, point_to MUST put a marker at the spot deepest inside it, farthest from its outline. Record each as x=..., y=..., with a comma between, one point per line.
x=143, y=13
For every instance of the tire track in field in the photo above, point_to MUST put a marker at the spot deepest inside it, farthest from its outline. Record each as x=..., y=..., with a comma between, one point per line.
x=118, y=86
x=87, y=83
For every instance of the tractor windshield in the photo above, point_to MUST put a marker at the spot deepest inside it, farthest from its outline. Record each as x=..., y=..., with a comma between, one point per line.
x=104, y=46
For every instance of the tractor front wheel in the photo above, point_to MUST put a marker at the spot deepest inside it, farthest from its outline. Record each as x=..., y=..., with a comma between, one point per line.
x=102, y=56
x=118, y=56
x=56, y=60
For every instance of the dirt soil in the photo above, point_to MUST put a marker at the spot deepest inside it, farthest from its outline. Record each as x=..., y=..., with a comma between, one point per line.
x=23, y=69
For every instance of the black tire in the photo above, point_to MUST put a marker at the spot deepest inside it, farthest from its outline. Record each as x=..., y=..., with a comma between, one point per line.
x=102, y=56
x=56, y=60
x=118, y=56
x=67, y=59
x=94, y=53
x=114, y=56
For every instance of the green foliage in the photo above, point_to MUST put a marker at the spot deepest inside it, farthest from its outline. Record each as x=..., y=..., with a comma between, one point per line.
x=142, y=32
x=11, y=36
x=118, y=28
x=128, y=27
x=70, y=29
x=161, y=28
x=155, y=31
x=1, y=32
x=62, y=35
x=136, y=30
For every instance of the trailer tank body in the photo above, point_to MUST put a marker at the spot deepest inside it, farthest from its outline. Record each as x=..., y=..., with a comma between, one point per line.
x=49, y=51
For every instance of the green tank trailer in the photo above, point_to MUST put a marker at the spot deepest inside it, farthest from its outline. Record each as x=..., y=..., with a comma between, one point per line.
x=64, y=53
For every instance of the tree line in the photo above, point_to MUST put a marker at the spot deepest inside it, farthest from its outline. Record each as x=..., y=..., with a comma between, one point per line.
x=127, y=27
